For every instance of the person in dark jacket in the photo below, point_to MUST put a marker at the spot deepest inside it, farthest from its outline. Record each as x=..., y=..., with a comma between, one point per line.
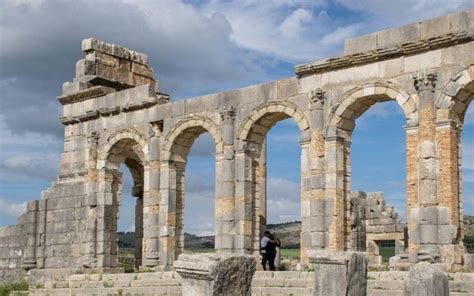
x=268, y=246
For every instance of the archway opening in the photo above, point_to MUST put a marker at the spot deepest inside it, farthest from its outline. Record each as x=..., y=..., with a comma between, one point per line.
x=378, y=167
x=368, y=169
x=283, y=167
x=123, y=192
x=256, y=151
x=200, y=201
x=199, y=209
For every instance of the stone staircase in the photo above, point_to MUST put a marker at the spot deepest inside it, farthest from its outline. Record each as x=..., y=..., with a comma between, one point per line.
x=391, y=283
x=284, y=283
x=144, y=284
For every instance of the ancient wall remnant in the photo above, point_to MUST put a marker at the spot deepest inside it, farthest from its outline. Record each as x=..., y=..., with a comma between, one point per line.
x=114, y=113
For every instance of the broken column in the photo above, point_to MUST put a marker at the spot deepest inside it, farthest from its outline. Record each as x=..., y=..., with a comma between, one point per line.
x=426, y=279
x=215, y=275
x=349, y=268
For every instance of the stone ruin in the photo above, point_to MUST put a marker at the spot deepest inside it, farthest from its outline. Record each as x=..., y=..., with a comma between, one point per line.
x=373, y=223
x=115, y=113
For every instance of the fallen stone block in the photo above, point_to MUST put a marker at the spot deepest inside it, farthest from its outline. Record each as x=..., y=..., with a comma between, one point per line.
x=216, y=274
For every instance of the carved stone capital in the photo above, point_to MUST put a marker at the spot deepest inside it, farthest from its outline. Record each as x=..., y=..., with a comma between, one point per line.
x=317, y=97
x=156, y=129
x=425, y=80
x=93, y=140
x=228, y=115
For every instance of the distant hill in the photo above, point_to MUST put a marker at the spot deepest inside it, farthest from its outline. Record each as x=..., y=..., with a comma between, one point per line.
x=288, y=233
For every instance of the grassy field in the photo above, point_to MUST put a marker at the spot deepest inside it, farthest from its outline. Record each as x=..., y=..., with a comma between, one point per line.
x=290, y=253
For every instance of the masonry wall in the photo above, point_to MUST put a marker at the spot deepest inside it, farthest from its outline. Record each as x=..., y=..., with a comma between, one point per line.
x=114, y=103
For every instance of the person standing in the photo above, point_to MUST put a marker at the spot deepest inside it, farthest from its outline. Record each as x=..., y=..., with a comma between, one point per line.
x=268, y=251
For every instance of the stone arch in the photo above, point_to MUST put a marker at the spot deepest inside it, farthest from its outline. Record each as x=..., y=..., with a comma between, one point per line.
x=355, y=102
x=456, y=96
x=174, y=152
x=452, y=104
x=123, y=139
x=338, y=130
x=128, y=147
x=251, y=165
x=275, y=111
x=179, y=140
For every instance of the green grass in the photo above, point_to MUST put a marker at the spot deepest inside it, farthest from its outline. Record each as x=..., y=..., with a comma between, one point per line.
x=7, y=289
x=387, y=252
x=290, y=253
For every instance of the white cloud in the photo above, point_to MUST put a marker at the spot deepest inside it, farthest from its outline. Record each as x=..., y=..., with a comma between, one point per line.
x=283, y=202
x=11, y=209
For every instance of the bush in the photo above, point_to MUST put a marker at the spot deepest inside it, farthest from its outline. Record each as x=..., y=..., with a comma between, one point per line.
x=7, y=289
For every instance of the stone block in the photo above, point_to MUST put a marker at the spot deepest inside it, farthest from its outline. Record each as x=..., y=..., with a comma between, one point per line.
x=350, y=268
x=426, y=279
x=213, y=274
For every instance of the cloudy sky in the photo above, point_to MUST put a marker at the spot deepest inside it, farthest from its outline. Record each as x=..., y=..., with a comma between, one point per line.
x=197, y=47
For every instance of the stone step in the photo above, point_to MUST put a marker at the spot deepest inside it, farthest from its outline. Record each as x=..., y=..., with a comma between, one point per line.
x=293, y=291
x=135, y=291
x=385, y=284
x=463, y=287
x=378, y=292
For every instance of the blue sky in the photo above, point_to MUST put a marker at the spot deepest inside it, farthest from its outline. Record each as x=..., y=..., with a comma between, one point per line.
x=197, y=47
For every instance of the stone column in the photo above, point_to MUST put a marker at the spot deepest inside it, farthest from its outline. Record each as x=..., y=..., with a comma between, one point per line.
x=89, y=236
x=261, y=213
x=313, y=215
x=429, y=220
x=107, y=214
x=225, y=186
x=167, y=214
x=137, y=192
x=335, y=201
x=151, y=201
x=451, y=234
x=215, y=275
x=243, y=206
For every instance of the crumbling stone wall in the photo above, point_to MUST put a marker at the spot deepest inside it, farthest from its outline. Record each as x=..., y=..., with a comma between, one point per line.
x=114, y=113
x=374, y=223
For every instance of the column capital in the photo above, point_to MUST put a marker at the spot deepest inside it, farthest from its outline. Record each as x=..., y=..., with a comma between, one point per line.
x=93, y=139
x=317, y=98
x=228, y=115
x=425, y=80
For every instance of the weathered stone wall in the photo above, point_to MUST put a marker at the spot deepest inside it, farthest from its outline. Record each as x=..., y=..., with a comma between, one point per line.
x=115, y=114
x=374, y=223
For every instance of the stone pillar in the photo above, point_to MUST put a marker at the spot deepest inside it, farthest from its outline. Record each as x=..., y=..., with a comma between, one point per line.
x=335, y=202
x=450, y=225
x=426, y=216
x=429, y=215
x=107, y=213
x=261, y=213
x=167, y=214
x=215, y=275
x=137, y=191
x=243, y=206
x=31, y=227
x=89, y=236
x=151, y=201
x=225, y=186
x=425, y=279
x=349, y=268
x=313, y=203
x=358, y=221
x=412, y=178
